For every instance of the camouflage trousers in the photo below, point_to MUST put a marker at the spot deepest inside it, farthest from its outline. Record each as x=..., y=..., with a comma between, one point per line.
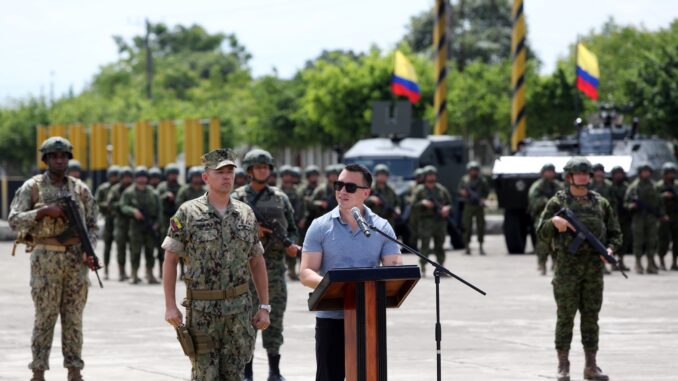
x=627, y=238
x=668, y=233
x=470, y=212
x=234, y=336
x=138, y=242
x=543, y=248
x=109, y=228
x=578, y=286
x=277, y=295
x=121, y=241
x=432, y=229
x=59, y=287
x=645, y=230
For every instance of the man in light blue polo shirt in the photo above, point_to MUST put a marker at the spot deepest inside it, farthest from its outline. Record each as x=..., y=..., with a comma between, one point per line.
x=334, y=241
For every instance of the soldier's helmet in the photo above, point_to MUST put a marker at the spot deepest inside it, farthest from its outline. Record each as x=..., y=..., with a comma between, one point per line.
x=311, y=170
x=381, y=168
x=171, y=168
x=274, y=173
x=418, y=172
x=140, y=170
x=645, y=166
x=286, y=170
x=126, y=171
x=239, y=172
x=598, y=167
x=429, y=169
x=333, y=169
x=617, y=168
x=195, y=171
x=578, y=165
x=155, y=172
x=472, y=165
x=669, y=167
x=257, y=156
x=56, y=144
x=113, y=170
x=548, y=167
x=74, y=165
x=296, y=171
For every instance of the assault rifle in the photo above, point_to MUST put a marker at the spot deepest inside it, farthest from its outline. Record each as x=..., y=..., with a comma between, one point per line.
x=72, y=213
x=277, y=231
x=148, y=224
x=670, y=188
x=388, y=208
x=473, y=196
x=643, y=207
x=582, y=233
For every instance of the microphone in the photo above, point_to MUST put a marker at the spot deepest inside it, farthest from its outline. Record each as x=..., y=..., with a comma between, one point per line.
x=362, y=225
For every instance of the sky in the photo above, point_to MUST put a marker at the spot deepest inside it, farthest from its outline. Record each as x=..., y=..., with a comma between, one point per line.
x=53, y=46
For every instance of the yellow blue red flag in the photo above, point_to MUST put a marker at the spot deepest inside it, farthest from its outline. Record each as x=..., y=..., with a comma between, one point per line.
x=404, y=79
x=587, y=72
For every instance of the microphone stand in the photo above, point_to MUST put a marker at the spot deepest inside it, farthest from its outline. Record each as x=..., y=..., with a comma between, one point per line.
x=439, y=270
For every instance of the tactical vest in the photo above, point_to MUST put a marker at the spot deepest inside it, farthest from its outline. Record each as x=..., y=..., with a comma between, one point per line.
x=43, y=194
x=591, y=214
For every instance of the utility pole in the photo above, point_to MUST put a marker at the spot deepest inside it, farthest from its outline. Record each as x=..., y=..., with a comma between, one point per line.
x=518, y=75
x=440, y=46
x=149, y=61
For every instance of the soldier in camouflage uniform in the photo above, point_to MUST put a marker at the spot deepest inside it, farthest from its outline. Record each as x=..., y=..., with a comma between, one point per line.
x=324, y=198
x=240, y=178
x=296, y=176
x=618, y=191
x=154, y=177
x=410, y=212
x=432, y=202
x=121, y=231
x=645, y=203
x=219, y=238
x=668, y=230
x=109, y=217
x=58, y=274
x=273, y=179
x=141, y=204
x=600, y=184
x=473, y=191
x=288, y=174
x=578, y=278
x=383, y=200
x=194, y=188
x=74, y=169
x=272, y=208
x=167, y=193
x=311, y=175
x=540, y=192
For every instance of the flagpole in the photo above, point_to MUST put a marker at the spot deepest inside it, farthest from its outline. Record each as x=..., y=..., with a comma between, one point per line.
x=577, y=99
x=440, y=46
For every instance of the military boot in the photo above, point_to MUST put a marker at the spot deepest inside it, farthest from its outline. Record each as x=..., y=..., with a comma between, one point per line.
x=135, y=276
x=74, y=374
x=591, y=371
x=274, y=368
x=622, y=265
x=651, y=266
x=674, y=265
x=123, y=276
x=639, y=266
x=106, y=272
x=563, y=366
x=542, y=268
x=482, y=252
x=248, y=372
x=468, y=249
x=38, y=375
x=662, y=264
x=150, y=278
x=292, y=271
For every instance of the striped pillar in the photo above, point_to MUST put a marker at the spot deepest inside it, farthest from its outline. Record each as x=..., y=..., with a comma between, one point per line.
x=41, y=134
x=167, y=142
x=214, y=134
x=518, y=75
x=440, y=46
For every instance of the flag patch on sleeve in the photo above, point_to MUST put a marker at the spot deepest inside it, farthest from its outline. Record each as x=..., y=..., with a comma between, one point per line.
x=175, y=224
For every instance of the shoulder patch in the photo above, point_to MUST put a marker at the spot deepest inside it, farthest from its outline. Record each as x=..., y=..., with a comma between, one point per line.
x=175, y=224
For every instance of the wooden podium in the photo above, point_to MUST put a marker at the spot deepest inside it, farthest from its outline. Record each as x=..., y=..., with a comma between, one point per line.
x=364, y=294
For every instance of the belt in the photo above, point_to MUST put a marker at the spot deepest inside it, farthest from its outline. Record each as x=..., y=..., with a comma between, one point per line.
x=229, y=293
x=56, y=242
x=58, y=248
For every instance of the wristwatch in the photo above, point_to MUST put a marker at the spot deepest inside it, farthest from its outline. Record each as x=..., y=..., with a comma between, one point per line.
x=266, y=307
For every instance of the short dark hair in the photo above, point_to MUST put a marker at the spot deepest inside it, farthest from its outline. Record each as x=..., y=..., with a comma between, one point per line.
x=367, y=176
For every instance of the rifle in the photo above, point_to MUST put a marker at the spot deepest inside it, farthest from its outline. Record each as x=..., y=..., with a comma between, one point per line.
x=472, y=196
x=672, y=190
x=148, y=225
x=388, y=208
x=73, y=215
x=582, y=233
x=643, y=207
x=277, y=231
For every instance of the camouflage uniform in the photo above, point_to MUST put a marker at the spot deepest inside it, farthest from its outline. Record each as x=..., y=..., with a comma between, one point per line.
x=58, y=275
x=540, y=192
x=410, y=212
x=645, y=221
x=142, y=233
x=121, y=231
x=306, y=193
x=578, y=278
x=430, y=224
x=389, y=202
x=188, y=192
x=217, y=250
x=618, y=192
x=473, y=206
x=167, y=193
x=109, y=217
x=299, y=210
x=668, y=230
x=326, y=192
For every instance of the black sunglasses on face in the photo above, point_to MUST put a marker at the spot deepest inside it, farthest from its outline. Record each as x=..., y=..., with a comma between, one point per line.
x=350, y=187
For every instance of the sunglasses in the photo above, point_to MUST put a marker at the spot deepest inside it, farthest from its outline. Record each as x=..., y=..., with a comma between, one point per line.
x=350, y=187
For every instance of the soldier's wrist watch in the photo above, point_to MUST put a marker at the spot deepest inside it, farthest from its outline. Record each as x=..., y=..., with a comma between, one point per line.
x=266, y=307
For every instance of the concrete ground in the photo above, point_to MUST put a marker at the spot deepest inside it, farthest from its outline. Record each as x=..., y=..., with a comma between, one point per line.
x=506, y=335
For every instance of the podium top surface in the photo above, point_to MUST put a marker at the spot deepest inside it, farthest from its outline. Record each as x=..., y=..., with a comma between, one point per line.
x=398, y=281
